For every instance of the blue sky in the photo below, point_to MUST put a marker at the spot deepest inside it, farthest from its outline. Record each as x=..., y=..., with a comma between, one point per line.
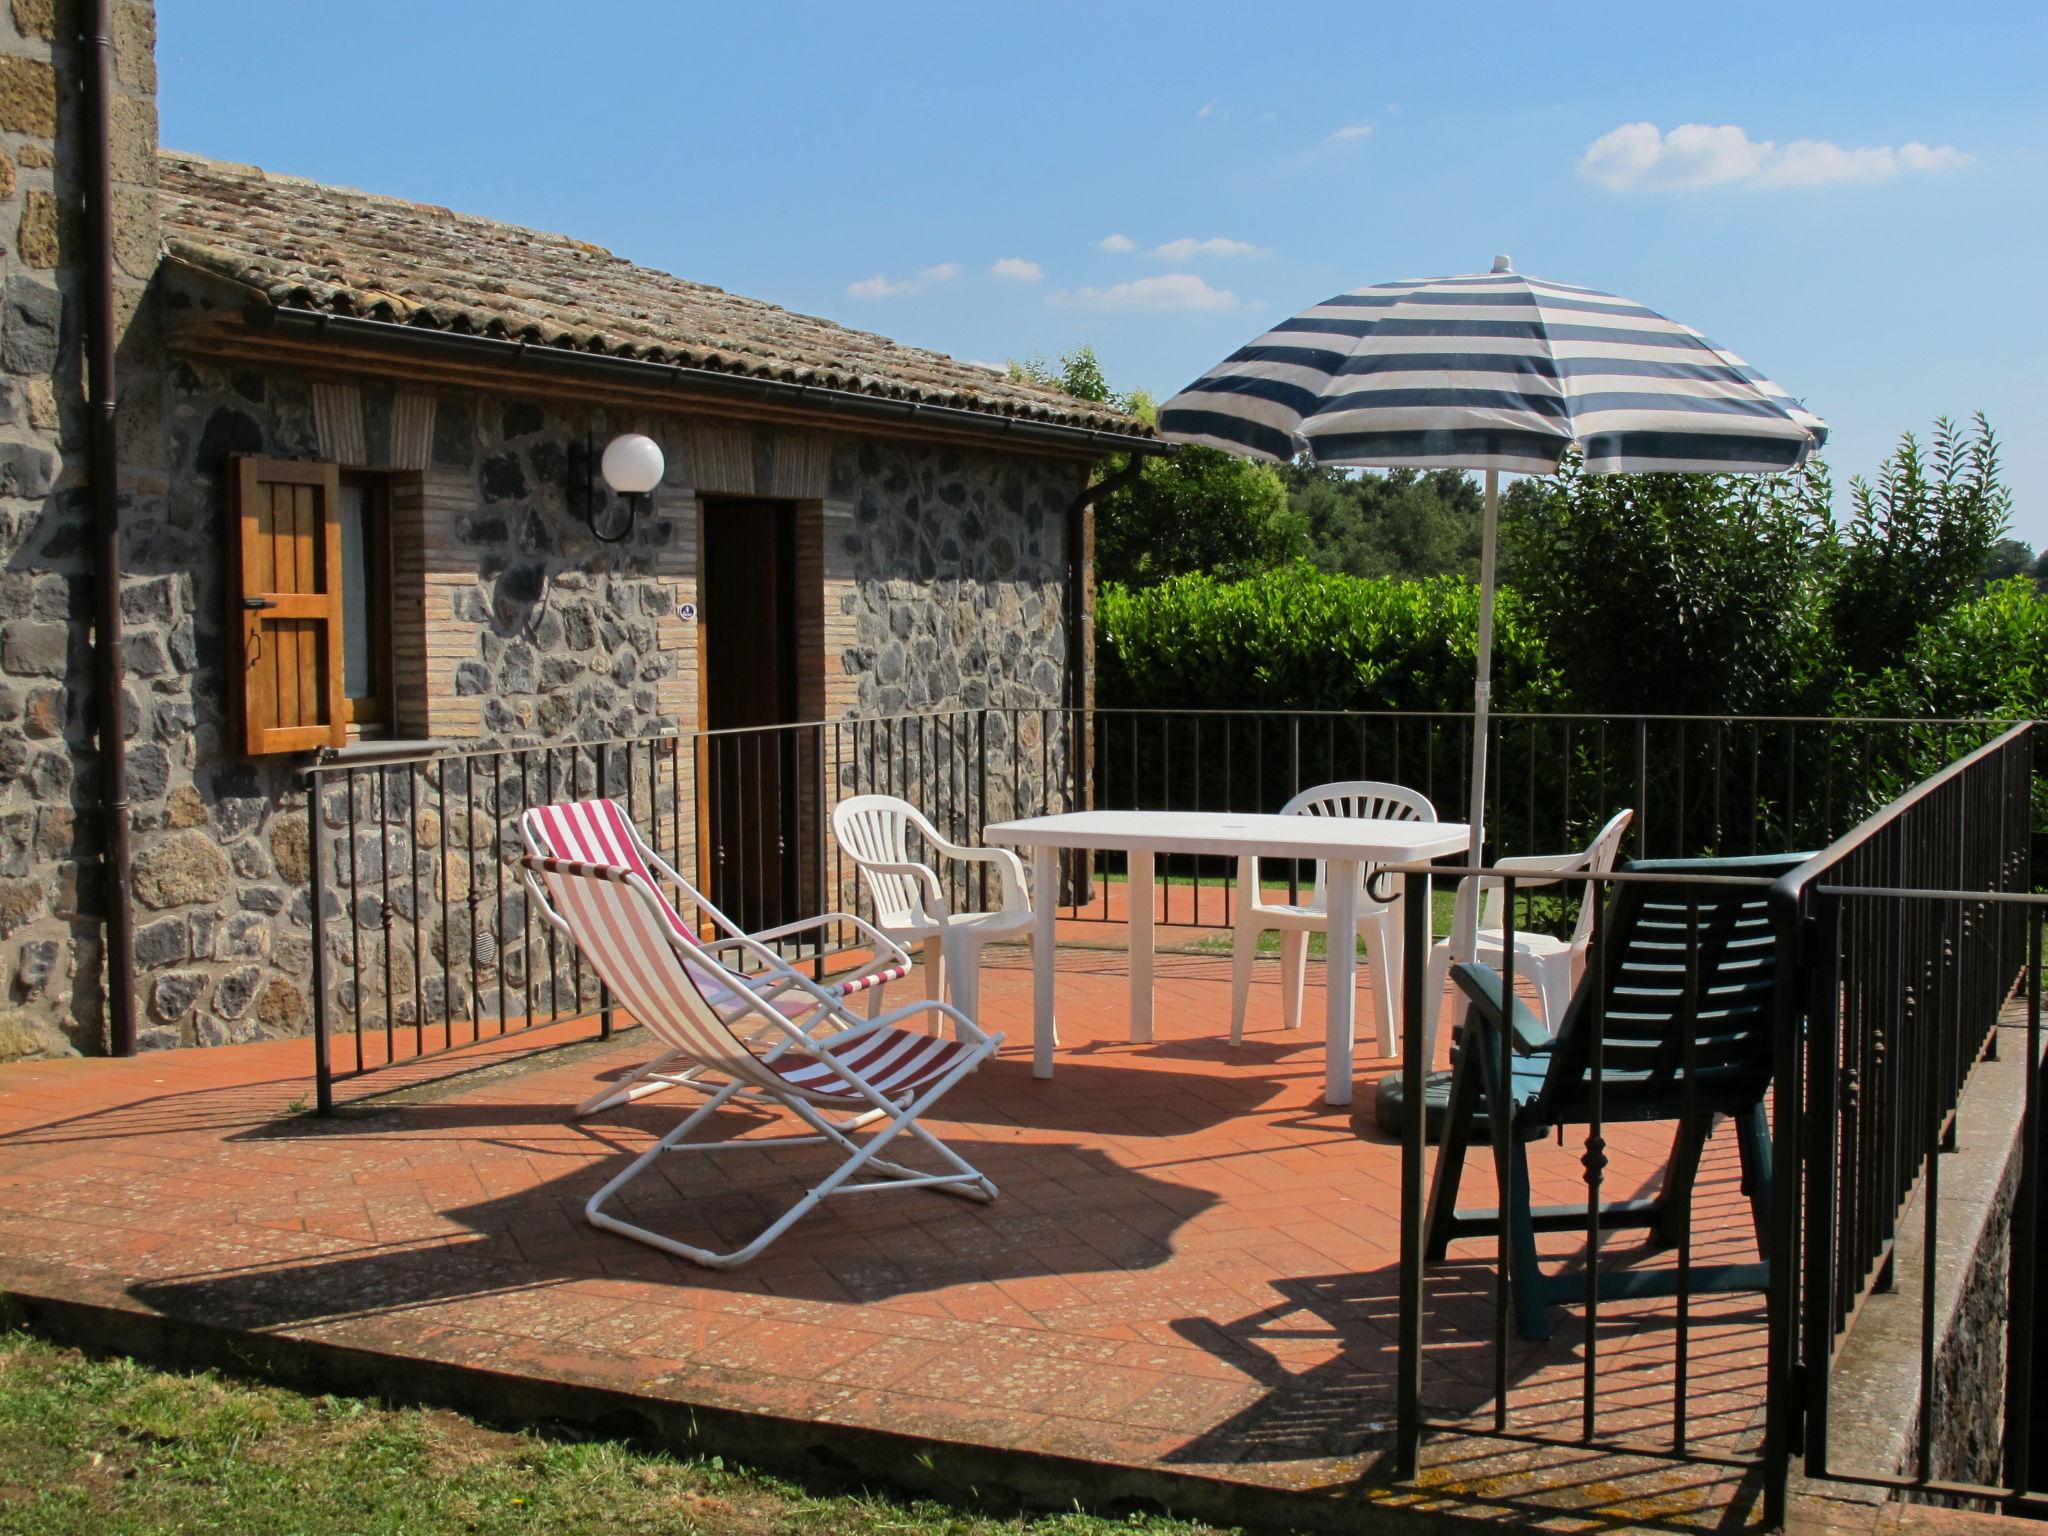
x=1855, y=197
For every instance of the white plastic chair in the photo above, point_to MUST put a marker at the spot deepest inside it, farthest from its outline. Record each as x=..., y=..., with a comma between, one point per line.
x=1378, y=922
x=1552, y=963
x=880, y=1077
x=599, y=832
x=910, y=899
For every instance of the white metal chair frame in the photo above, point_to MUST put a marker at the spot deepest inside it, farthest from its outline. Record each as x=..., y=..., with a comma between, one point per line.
x=1553, y=964
x=601, y=826
x=910, y=899
x=1379, y=922
x=615, y=917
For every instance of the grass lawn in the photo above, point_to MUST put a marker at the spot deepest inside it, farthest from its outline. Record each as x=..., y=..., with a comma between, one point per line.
x=1318, y=943
x=1269, y=943
x=111, y=1448
x=1550, y=913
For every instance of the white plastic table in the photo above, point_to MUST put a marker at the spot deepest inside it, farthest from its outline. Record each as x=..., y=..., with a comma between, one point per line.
x=1343, y=842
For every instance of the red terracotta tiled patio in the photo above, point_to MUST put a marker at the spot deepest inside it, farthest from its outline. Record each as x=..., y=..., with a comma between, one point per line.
x=1189, y=1278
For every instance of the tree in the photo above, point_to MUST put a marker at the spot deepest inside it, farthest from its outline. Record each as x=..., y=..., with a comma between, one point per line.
x=1077, y=373
x=1200, y=510
x=1919, y=542
x=2010, y=558
x=1405, y=522
x=1676, y=593
x=1985, y=657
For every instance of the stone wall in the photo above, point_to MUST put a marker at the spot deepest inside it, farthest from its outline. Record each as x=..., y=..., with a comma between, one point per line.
x=952, y=565
x=50, y=877
x=935, y=577
x=949, y=589
x=1874, y=1382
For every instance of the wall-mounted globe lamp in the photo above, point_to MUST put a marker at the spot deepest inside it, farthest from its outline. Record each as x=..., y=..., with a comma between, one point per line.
x=631, y=467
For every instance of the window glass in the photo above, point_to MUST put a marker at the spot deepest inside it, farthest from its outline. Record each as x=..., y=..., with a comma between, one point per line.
x=357, y=594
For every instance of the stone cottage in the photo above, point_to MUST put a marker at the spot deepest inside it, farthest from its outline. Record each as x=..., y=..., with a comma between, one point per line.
x=357, y=503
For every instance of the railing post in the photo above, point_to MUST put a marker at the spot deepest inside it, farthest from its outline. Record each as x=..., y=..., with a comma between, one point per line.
x=1820, y=1155
x=604, y=992
x=820, y=830
x=316, y=859
x=1781, y=1415
x=1643, y=789
x=1415, y=913
x=2024, y=1262
x=981, y=795
x=1293, y=789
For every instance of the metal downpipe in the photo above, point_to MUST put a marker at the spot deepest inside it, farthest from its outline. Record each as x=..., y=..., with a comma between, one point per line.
x=102, y=468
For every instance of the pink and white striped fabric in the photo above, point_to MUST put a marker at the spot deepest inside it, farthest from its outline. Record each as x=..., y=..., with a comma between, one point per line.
x=599, y=832
x=595, y=832
x=891, y=1060
x=621, y=932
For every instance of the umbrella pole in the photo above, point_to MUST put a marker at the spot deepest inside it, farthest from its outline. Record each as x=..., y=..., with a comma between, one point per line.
x=1390, y=1106
x=1468, y=911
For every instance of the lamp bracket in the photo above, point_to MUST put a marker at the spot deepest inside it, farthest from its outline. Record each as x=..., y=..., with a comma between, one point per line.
x=584, y=487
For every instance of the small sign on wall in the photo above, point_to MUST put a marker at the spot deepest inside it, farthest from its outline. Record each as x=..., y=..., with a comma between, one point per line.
x=686, y=612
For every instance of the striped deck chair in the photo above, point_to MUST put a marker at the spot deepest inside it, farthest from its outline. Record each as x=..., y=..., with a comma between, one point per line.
x=599, y=832
x=880, y=1078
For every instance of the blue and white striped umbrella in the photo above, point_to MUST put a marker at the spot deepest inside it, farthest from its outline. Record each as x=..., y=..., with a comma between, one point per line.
x=1498, y=371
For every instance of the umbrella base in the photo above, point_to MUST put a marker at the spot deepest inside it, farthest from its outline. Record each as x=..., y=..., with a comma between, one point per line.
x=1390, y=1109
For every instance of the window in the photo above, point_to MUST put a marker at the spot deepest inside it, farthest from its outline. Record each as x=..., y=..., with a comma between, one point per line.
x=309, y=586
x=366, y=598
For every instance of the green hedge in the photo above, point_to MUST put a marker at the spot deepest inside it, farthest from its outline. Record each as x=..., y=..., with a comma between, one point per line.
x=1299, y=638
x=1987, y=657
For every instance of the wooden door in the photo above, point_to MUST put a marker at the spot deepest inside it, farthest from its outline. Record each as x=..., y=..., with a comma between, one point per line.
x=748, y=601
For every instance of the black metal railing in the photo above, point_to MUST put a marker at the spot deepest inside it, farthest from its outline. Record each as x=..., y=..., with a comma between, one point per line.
x=1916, y=988
x=424, y=938
x=1893, y=953
x=1653, y=1038
x=1897, y=960
x=1925, y=935
x=425, y=942
x=1700, y=785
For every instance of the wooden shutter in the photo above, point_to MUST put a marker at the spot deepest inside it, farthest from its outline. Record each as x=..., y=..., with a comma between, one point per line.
x=284, y=592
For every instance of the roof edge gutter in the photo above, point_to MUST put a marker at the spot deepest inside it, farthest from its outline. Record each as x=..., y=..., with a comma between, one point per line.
x=705, y=383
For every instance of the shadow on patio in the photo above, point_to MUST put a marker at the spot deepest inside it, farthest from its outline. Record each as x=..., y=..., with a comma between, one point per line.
x=1191, y=1267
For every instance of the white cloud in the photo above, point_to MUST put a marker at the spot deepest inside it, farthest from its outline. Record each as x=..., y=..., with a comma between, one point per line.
x=1813, y=162
x=880, y=287
x=1170, y=290
x=1017, y=269
x=1186, y=249
x=1351, y=131
x=876, y=287
x=1637, y=157
x=1208, y=109
x=1117, y=244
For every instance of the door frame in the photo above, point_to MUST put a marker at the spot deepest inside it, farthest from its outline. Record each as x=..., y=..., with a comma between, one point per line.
x=790, y=529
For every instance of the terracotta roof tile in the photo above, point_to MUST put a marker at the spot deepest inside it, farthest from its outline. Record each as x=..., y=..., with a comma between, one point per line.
x=306, y=245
